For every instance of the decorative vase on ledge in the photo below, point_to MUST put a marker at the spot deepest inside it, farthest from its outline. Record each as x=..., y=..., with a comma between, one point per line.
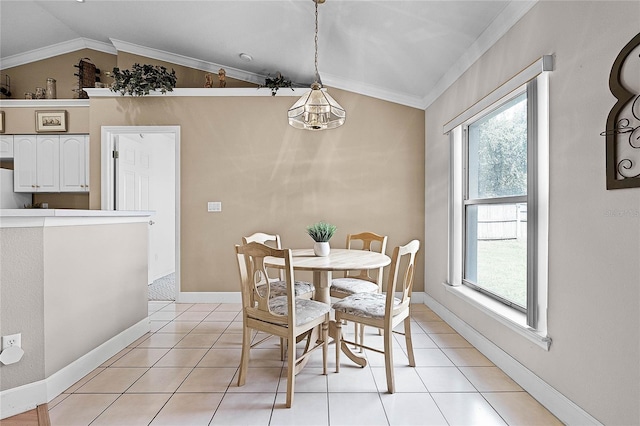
x=321, y=248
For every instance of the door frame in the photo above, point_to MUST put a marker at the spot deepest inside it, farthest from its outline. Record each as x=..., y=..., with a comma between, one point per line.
x=107, y=184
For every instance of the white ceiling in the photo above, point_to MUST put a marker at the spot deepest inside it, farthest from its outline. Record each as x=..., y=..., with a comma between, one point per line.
x=407, y=52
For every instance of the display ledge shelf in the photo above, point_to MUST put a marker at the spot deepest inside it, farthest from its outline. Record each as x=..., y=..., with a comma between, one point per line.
x=195, y=92
x=44, y=103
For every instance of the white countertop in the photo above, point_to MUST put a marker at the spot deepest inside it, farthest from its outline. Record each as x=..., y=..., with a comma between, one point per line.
x=28, y=218
x=71, y=213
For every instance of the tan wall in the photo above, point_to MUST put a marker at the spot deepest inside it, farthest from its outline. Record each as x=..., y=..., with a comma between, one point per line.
x=63, y=200
x=22, y=121
x=367, y=175
x=25, y=78
x=594, y=273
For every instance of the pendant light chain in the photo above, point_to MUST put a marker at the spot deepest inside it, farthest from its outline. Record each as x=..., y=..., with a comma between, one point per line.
x=316, y=43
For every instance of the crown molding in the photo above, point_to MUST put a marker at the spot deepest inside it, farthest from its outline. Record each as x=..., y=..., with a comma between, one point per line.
x=55, y=50
x=498, y=28
x=174, y=58
x=371, y=90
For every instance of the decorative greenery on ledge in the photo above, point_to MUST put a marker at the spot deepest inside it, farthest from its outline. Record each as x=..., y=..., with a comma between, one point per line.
x=142, y=79
x=276, y=82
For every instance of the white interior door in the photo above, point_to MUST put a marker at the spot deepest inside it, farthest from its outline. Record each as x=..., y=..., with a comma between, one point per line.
x=133, y=174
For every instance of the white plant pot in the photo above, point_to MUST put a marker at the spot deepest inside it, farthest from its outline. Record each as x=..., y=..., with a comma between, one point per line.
x=321, y=248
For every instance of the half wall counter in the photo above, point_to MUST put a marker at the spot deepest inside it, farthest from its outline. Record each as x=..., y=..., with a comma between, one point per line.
x=73, y=283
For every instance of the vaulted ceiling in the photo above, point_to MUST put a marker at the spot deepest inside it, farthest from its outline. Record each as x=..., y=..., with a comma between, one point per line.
x=407, y=52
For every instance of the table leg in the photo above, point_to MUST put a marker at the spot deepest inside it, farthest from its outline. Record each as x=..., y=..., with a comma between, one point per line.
x=322, y=282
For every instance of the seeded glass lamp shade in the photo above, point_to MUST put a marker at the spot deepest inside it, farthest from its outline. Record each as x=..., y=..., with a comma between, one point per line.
x=316, y=110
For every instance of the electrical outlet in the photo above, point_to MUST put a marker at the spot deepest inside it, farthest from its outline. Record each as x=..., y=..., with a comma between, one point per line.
x=12, y=340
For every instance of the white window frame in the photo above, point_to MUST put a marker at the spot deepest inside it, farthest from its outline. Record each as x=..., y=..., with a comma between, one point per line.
x=533, y=324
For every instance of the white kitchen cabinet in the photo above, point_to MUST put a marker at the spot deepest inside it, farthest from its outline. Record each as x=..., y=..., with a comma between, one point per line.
x=36, y=163
x=6, y=146
x=74, y=163
x=51, y=163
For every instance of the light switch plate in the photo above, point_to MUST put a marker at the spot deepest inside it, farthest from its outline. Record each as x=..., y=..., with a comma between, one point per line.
x=214, y=206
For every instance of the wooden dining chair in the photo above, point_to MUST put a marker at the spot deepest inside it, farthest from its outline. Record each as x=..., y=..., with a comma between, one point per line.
x=287, y=316
x=383, y=311
x=361, y=281
x=277, y=284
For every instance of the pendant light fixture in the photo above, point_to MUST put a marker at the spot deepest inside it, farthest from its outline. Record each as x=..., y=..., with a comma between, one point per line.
x=316, y=109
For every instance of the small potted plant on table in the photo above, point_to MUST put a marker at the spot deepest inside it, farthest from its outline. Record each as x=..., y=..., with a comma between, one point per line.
x=321, y=233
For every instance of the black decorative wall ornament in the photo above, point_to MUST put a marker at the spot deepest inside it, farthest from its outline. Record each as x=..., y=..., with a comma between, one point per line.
x=623, y=123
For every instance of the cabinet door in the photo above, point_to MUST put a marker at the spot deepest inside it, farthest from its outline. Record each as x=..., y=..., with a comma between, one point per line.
x=47, y=163
x=6, y=146
x=24, y=163
x=74, y=152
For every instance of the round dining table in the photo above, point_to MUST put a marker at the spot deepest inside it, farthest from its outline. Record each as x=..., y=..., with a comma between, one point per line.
x=338, y=260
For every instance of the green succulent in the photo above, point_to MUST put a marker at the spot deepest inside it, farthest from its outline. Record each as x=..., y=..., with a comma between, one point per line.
x=321, y=231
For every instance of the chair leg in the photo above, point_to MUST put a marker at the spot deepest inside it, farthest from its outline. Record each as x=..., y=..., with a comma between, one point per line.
x=325, y=345
x=291, y=374
x=338, y=342
x=356, y=338
x=388, y=360
x=407, y=338
x=283, y=348
x=244, y=358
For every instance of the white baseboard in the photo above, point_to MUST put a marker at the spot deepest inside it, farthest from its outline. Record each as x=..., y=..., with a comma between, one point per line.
x=27, y=397
x=209, y=297
x=561, y=406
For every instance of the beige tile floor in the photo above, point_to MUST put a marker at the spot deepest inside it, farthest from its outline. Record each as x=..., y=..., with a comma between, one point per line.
x=184, y=373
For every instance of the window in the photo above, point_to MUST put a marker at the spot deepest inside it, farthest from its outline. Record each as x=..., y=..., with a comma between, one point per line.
x=498, y=226
x=495, y=204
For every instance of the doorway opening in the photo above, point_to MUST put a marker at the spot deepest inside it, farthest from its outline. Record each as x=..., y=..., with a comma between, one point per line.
x=141, y=171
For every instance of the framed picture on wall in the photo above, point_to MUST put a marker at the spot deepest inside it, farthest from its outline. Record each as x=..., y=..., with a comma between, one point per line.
x=51, y=121
x=1, y=121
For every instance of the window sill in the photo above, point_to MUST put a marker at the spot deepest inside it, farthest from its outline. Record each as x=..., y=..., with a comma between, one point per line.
x=505, y=315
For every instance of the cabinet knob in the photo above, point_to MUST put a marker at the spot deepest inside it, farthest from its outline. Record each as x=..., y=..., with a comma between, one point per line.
x=151, y=222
